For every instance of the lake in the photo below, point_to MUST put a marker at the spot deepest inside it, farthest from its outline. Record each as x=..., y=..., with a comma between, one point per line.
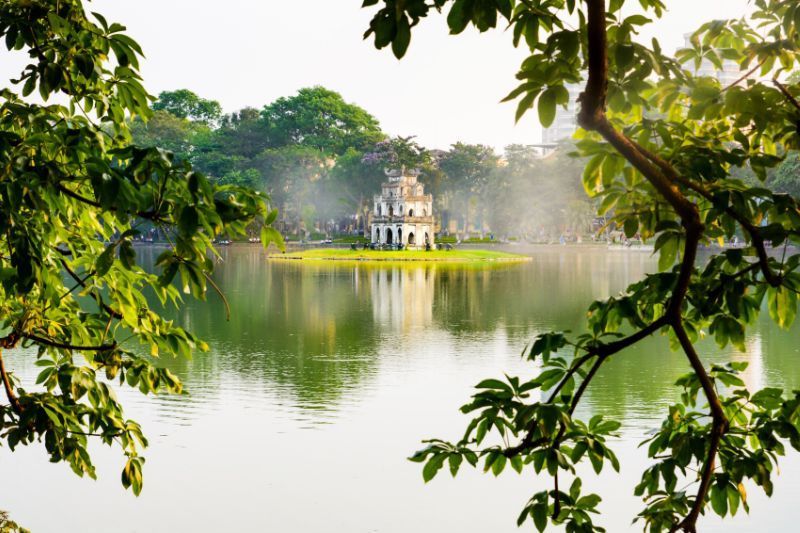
x=328, y=376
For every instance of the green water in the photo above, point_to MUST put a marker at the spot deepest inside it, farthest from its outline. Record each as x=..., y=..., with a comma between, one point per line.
x=328, y=376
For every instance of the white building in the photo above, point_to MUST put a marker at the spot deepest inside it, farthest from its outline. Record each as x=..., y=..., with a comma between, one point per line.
x=566, y=121
x=403, y=213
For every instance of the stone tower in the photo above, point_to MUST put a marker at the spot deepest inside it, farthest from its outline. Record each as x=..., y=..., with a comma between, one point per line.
x=403, y=213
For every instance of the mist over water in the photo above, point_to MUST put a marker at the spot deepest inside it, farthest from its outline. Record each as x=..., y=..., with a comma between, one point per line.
x=327, y=377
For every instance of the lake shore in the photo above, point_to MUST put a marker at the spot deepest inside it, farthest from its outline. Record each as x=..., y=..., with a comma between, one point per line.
x=451, y=256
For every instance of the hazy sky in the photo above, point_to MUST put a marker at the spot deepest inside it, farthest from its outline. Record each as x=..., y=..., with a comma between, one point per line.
x=447, y=88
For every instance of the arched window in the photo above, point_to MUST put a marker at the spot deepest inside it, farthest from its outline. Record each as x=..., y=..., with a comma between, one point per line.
x=411, y=238
x=391, y=211
x=424, y=212
x=388, y=235
x=411, y=212
x=380, y=210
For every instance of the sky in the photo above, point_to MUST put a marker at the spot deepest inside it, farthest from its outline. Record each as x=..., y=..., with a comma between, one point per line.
x=446, y=89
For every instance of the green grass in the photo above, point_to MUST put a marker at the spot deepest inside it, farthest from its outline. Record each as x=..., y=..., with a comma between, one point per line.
x=465, y=256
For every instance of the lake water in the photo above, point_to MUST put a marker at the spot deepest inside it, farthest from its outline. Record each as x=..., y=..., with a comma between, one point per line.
x=327, y=377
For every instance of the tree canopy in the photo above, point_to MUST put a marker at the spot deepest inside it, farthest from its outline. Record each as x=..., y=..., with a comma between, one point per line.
x=319, y=118
x=664, y=147
x=183, y=103
x=75, y=193
x=319, y=164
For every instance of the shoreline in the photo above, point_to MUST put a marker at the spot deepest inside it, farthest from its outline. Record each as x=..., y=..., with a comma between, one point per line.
x=404, y=256
x=522, y=258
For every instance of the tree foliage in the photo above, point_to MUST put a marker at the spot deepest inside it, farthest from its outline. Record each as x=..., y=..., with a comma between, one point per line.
x=183, y=103
x=74, y=195
x=319, y=118
x=315, y=149
x=664, y=149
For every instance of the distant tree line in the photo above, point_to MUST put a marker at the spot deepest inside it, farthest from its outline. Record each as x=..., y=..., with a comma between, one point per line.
x=321, y=159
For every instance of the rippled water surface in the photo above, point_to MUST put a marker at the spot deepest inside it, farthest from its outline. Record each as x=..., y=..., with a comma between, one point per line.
x=327, y=376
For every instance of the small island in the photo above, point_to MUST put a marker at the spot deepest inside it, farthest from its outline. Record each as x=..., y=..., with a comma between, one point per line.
x=455, y=256
x=402, y=229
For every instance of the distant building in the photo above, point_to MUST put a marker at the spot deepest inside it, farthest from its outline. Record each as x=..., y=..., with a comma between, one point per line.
x=566, y=121
x=403, y=213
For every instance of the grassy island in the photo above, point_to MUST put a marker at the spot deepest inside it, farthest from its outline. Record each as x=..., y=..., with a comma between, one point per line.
x=456, y=256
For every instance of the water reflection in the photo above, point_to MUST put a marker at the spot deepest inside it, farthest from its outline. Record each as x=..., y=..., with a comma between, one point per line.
x=316, y=332
x=328, y=375
x=402, y=298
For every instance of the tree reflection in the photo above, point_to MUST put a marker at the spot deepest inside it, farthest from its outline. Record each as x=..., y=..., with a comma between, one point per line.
x=315, y=332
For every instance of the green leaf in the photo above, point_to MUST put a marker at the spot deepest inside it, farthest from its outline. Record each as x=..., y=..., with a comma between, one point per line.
x=433, y=466
x=547, y=106
x=525, y=104
x=188, y=221
x=271, y=235
x=454, y=460
x=590, y=501
x=457, y=19
x=498, y=465
x=493, y=384
x=782, y=304
x=127, y=254
x=105, y=260
x=539, y=515
x=719, y=498
x=402, y=38
x=630, y=228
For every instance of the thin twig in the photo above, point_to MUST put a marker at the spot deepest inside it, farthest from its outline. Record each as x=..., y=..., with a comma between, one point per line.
x=12, y=398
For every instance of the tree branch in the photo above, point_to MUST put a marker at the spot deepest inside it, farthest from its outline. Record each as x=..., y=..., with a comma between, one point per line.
x=745, y=75
x=592, y=117
x=755, y=236
x=82, y=282
x=787, y=94
x=602, y=352
x=718, y=429
x=149, y=215
x=12, y=398
x=664, y=179
x=65, y=346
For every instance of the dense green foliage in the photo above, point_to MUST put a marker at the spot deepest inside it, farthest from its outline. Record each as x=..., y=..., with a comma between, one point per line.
x=75, y=194
x=321, y=160
x=665, y=151
x=185, y=104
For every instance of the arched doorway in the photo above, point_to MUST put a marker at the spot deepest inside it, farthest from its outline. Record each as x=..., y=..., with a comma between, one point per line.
x=400, y=235
x=377, y=235
x=427, y=239
x=411, y=238
x=389, y=232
